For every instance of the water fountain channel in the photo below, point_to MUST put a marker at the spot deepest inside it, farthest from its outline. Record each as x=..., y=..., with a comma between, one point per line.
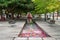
x=32, y=30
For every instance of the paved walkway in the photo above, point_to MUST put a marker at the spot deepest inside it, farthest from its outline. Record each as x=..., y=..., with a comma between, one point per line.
x=57, y=22
x=7, y=32
x=52, y=29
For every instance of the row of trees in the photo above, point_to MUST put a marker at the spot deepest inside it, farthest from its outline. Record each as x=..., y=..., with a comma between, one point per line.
x=16, y=6
x=20, y=4
x=46, y=6
x=33, y=6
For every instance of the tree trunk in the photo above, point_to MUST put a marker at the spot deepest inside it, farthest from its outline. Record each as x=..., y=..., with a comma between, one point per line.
x=45, y=16
x=12, y=16
x=53, y=15
x=57, y=15
x=1, y=16
x=7, y=16
x=20, y=15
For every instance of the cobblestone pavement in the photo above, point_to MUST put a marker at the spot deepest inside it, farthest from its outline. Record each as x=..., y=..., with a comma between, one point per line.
x=52, y=29
x=7, y=32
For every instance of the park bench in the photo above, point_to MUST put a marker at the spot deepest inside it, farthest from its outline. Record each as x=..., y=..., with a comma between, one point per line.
x=51, y=21
x=11, y=22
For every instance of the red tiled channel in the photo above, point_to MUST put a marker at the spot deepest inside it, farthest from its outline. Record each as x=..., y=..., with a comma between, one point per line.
x=32, y=30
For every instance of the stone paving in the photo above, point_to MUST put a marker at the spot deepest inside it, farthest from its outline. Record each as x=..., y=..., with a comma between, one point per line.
x=7, y=32
x=52, y=29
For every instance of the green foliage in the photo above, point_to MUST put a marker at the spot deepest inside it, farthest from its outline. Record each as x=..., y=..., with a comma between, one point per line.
x=39, y=6
x=44, y=6
x=5, y=3
x=17, y=5
x=53, y=5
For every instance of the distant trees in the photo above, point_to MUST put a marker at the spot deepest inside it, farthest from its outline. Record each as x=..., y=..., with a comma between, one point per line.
x=23, y=4
x=16, y=6
x=45, y=6
x=33, y=6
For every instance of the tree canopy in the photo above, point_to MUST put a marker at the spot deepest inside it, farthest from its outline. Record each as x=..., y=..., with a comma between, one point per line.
x=44, y=6
x=39, y=6
x=23, y=5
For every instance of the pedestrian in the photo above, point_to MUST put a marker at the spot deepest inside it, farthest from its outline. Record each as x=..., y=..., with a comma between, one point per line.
x=29, y=17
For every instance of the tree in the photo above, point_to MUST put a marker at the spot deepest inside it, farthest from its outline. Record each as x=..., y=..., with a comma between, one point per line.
x=45, y=6
x=53, y=6
x=20, y=5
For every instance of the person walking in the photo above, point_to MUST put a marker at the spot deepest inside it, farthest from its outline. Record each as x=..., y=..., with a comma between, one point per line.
x=29, y=17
